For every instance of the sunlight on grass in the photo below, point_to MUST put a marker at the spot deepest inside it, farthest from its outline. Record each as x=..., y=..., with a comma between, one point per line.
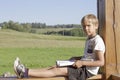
x=9, y=38
x=36, y=51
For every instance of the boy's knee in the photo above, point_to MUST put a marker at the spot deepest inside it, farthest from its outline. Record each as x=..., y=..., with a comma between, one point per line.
x=62, y=71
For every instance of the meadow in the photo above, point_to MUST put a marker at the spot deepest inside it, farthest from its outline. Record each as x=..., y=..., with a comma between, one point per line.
x=35, y=50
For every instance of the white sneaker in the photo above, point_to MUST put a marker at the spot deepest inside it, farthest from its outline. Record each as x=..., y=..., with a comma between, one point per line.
x=19, y=68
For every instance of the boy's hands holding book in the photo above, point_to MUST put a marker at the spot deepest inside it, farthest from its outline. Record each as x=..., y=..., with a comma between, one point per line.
x=77, y=64
x=74, y=63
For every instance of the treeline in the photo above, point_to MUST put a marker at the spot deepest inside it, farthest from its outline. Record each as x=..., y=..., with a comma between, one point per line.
x=74, y=29
x=22, y=27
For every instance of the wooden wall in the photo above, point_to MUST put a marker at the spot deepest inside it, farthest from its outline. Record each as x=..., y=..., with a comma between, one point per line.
x=109, y=18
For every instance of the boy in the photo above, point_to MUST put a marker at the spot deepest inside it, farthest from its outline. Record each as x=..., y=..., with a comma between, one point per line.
x=84, y=66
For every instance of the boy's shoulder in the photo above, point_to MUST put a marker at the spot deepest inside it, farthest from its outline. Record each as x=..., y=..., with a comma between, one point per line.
x=97, y=37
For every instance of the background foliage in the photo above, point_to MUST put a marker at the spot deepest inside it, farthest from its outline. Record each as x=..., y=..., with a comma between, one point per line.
x=42, y=28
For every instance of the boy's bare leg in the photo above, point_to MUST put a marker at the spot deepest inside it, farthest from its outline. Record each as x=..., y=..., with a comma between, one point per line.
x=43, y=69
x=49, y=72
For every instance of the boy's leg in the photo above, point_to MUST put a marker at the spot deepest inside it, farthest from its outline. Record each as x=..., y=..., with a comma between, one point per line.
x=22, y=71
x=42, y=69
x=52, y=72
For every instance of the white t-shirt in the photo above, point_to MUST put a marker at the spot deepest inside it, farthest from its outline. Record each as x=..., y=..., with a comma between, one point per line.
x=95, y=43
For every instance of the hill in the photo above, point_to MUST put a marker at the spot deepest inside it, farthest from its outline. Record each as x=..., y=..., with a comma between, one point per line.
x=11, y=38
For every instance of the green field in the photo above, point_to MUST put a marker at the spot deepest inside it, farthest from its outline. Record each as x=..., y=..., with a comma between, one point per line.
x=45, y=30
x=36, y=51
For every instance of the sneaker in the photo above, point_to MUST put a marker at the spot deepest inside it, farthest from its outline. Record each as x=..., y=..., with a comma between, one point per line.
x=19, y=68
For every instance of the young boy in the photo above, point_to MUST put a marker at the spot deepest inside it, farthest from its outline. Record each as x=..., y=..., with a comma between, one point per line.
x=84, y=66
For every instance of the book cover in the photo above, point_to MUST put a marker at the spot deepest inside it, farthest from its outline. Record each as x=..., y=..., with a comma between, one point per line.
x=64, y=63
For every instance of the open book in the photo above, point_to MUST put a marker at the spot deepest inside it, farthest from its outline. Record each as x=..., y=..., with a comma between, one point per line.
x=61, y=63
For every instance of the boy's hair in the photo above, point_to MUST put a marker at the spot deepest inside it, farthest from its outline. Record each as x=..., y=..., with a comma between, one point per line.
x=92, y=17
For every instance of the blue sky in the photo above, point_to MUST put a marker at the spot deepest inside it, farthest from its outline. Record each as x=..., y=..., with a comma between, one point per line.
x=51, y=12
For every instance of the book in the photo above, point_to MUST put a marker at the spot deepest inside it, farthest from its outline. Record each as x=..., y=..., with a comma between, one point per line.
x=61, y=63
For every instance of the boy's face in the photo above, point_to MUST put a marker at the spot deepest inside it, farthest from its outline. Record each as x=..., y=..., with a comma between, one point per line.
x=89, y=28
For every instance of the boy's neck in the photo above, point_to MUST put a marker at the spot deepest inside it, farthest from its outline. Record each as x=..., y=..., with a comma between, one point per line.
x=92, y=36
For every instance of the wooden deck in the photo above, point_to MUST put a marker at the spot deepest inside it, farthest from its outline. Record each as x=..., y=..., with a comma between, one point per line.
x=115, y=76
x=97, y=77
x=60, y=78
x=56, y=78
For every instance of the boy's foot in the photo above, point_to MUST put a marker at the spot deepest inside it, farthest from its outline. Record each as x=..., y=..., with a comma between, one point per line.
x=20, y=69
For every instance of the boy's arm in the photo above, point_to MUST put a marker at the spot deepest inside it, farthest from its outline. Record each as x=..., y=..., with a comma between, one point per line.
x=99, y=61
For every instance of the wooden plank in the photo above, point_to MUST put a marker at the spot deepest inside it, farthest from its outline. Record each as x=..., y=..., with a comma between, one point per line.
x=96, y=77
x=109, y=14
x=8, y=78
x=56, y=78
x=117, y=31
x=116, y=77
x=14, y=78
x=110, y=39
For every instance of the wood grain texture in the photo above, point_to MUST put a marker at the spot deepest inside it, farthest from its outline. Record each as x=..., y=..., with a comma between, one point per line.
x=109, y=17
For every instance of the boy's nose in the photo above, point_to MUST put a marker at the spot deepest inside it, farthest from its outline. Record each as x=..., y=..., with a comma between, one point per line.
x=86, y=28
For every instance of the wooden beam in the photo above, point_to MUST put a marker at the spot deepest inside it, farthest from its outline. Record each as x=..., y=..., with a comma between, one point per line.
x=55, y=78
x=14, y=78
x=96, y=77
x=116, y=77
x=109, y=18
x=117, y=32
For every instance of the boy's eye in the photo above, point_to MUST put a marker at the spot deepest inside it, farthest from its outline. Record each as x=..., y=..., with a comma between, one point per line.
x=88, y=25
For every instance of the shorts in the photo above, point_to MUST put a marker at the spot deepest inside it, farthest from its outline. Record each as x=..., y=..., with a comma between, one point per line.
x=78, y=73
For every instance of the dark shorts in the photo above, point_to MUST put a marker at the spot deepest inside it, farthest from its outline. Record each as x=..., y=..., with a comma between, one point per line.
x=78, y=73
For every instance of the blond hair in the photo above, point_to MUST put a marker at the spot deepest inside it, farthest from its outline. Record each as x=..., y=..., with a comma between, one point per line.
x=93, y=18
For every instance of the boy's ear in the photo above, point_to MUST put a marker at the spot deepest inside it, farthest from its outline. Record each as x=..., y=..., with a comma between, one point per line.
x=96, y=26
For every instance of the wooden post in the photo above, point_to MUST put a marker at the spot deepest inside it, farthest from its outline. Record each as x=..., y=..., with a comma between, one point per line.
x=109, y=18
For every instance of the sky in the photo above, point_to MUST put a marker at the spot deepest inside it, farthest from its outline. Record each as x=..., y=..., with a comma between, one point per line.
x=51, y=12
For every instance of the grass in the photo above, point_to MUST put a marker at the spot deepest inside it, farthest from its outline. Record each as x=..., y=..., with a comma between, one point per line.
x=45, y=30
x=9, y=38
x=36, y=51
x=35, y=57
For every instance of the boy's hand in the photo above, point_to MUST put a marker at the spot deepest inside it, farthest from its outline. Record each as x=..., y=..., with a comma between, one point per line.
x=77, y=64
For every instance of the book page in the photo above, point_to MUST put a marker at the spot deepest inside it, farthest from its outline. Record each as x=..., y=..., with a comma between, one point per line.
x=64, y=62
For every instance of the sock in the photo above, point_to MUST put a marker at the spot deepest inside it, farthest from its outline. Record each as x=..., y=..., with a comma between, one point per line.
x=26, y=73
